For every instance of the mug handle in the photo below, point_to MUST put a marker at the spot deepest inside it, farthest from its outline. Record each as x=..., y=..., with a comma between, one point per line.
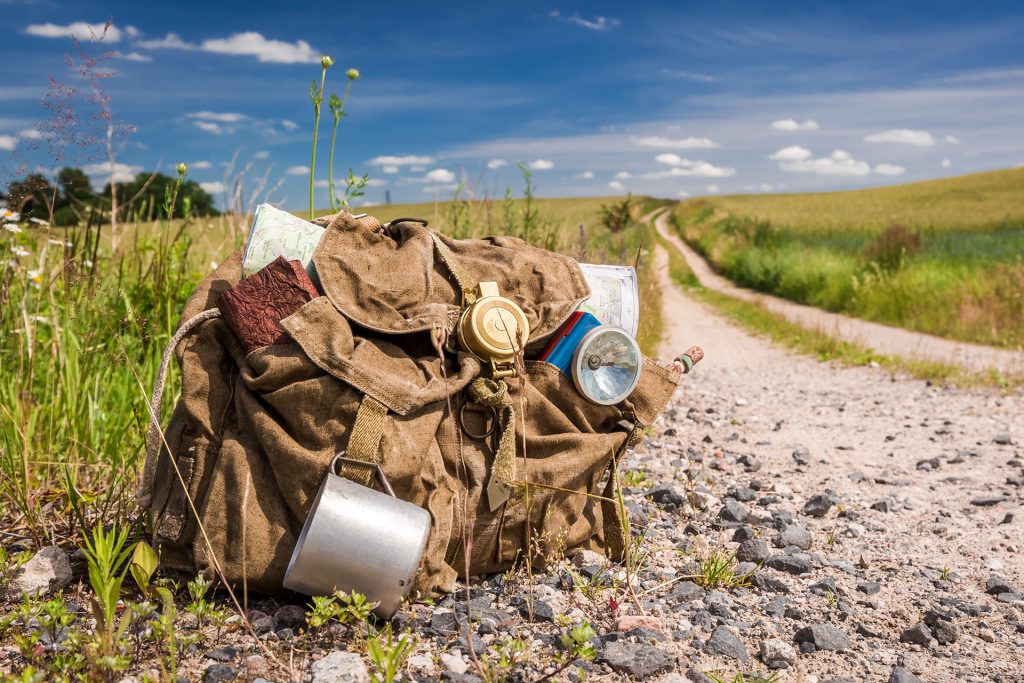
x=340, y=458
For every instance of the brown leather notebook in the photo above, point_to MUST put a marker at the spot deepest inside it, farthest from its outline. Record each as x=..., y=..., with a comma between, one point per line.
x=255, y=307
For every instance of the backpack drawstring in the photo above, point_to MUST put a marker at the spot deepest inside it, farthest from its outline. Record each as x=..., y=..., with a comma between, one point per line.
x=153, y=437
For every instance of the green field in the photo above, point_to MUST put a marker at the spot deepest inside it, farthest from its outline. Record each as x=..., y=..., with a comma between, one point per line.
x=944, y=257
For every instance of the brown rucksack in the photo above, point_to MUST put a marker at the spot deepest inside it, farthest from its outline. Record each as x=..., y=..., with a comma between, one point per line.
x=371, y=369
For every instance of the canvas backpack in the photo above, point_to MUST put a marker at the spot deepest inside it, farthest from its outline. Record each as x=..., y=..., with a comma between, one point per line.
x=372, y=368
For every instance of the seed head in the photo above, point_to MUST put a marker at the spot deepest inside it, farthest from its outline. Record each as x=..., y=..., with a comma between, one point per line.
x=326, y=61
x=182, y=169
x=352, y=74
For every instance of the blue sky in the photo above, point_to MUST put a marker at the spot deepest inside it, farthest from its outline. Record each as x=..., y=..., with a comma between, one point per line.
x=666, y=98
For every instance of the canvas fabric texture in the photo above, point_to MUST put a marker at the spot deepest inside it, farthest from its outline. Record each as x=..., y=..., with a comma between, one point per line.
x=369, y=368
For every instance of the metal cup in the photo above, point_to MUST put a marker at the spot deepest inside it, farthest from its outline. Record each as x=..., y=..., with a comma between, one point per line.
x=358, y=539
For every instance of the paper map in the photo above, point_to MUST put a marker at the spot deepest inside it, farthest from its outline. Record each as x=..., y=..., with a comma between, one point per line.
x=614, y=296
x=278, y=233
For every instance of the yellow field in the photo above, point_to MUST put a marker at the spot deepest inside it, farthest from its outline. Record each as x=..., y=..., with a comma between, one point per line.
x=980, y=199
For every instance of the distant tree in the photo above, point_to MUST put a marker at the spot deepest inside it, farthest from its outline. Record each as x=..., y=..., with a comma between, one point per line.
x=31, y=196
x=150, y=189
x=618, y=215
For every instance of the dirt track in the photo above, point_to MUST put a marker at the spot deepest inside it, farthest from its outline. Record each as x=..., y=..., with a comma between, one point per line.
x=923, y=486
x=882, y=338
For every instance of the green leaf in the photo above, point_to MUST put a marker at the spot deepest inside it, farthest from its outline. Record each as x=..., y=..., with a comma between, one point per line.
x=144, y=564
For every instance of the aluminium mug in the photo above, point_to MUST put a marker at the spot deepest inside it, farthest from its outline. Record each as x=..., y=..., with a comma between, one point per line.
x=359, y=539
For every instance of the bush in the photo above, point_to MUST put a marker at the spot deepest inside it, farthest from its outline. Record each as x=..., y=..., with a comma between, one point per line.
x=891, y=248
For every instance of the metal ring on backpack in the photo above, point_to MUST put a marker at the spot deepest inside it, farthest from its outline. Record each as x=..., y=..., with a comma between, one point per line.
x=462, y=422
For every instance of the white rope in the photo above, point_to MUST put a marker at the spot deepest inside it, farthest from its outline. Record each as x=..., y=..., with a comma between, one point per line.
x=153, y=438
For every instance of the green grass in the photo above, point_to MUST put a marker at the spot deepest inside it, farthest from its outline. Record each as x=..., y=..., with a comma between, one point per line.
x=956, y=271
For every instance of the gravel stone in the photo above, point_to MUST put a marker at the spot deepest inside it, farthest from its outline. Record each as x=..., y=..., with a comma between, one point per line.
x=733, y=511
x=724, y=642
x=755, y=550
x=778, y=654
x=638, y=660
x=795, y=535
x=48, y=570
x=339, y=667
x=823, y=637
x=290, y=616
x=791, y=564
x=918, y=633
x=216, y=673
x=819, y=505
x=901, y=675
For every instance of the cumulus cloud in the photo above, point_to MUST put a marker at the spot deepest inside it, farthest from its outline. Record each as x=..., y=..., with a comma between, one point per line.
x=136, y=57
x=541, y=165
x=262, y=154
x=903, y=136
x=8, y=142
x=406, y=160
x=683, y=193
x=172, y=41
x=209, y=127
x=793, y=124
x=676, y=143
x=586, y=175
x=104, y=172
x=390, y=169
x=433, y=189
x=30, y=134
x=200, y=165
x=598, y=23
x=496, y=163
x=889, y=169
x=687, y=75
x=79, y=29
x=375, y=182
x=838, y=163
x=687, y=167
x=952, y=139
x=713, y=188
x=623, y=175
x=213, y=187
x=793, y=153
x=288, y=124
x=439, y=175
x=219, y=116
x=298, y=170
x=253, y=44
x=946, y=163
x=616, y=185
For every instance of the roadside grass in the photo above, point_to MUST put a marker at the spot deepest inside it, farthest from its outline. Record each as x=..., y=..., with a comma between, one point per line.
x=948, y=261
x=821, y=345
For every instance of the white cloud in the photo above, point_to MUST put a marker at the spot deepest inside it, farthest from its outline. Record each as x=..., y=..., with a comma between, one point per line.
x=793, y=153
x=903, y=136
x=623, y=175
x=220, y=116
x=687, y=167
x=952, y=139
x=541, y=165
x=440, y=188
x=253, y=44
x=889, y=169
x=793, y=124
x=376, y=182
x=103, y=172
x=616, y=185
x=200, y=165
x=839, y=163
x=136, y=57
x=687, y=75
x=946, y=163
x=208, y=127
x=30, y=134
x=407, y=160
x=676, y=143
x=213, y=187
x=586, y=175
x=713, y=188
x=418, y=169
x=598, y=23
x=439, y=175
x=298, y=170
x=288, y=125
x=262, y=154
x=131, y=31
x=496, y=163
x=390, y=169
x=172, y=41
x=79, y=29
x=8, y=142
x=682, y=193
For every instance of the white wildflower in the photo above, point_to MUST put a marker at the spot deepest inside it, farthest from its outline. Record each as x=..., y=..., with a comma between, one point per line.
x=11, y=227
x=87, y=263
x=59, y=243
x=11, y=216
x=20, y=251
x=36, y=277
x=213, y=265
x=40, y=221
x=41, y=319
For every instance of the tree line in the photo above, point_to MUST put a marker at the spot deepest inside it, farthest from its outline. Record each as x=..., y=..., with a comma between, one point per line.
x=70, y=199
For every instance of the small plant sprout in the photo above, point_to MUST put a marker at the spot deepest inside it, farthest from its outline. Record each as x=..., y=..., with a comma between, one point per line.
x=316, y=96
x=576, y=645
x=388, y=654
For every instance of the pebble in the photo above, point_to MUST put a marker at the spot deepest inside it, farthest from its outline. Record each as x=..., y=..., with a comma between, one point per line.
x=755, y=550
x=291, y=617
x=901, y=675
x=339, y=666
x=823, y=637
x=819, y=505
x=217, y=673
x=918, y=633
x=47, y=571
x=724, y=642
x=791, y=564
x=454, y=663
x=777, y=654
x=795, y=535
x=638, y=660
x=630, y=622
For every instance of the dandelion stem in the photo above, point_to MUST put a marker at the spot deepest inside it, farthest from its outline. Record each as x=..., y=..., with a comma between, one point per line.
x=318, y=97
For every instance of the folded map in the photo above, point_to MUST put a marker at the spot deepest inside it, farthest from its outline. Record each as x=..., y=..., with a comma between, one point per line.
x=614, y=295
x=278, y=233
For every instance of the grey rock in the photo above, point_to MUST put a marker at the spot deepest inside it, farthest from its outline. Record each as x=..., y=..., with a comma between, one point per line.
x=819, y=505
x=685, y=591
x=823, y=637
x=901, y=675
x=766, y=582
x=1003, y=439
x=945, y=632
x=884, y=505
x=743, y=533
x=776, y=607
x=778, y=654
x=665, y=495
x=750, y=462
x=724, y=642
x=919, y=633
x=290, y=616
x=733, y=511
x=638, y=660
x=869, y=587
x=697, y=676
x=802, y=456
x=754, y=550
x=261, y=623
x=542, y=611
x=453, y=677
x=222, y=654
x=339, y=667
x=795, y=534
x=216, y=673
x=997, y=584
x=791, y=564
x=988, y=501
x=48, y=570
